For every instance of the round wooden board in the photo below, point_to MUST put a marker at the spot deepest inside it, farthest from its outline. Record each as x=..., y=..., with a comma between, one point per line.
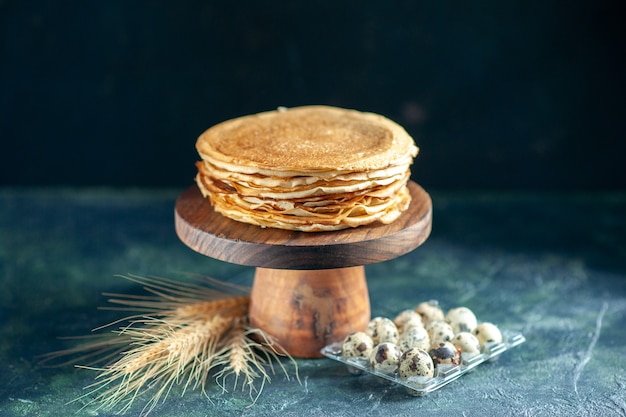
x=210, y=233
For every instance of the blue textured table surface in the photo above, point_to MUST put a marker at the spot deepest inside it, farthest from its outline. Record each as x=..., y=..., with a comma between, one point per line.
x=552, y=266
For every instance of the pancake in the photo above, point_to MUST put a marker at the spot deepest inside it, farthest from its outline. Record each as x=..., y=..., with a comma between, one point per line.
x=306, y=140
x=313, y=168
x=300, y=187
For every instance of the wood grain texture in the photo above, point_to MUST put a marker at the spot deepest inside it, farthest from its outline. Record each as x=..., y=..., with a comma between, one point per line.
x=210, y=233
x=306, y=310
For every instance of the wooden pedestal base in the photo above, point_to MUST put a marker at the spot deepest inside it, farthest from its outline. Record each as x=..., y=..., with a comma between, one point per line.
x=306, y=310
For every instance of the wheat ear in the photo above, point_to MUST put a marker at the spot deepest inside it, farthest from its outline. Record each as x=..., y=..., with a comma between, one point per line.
x=247, y=353
x=179, y=334
x=163, y=353
x=238, y=358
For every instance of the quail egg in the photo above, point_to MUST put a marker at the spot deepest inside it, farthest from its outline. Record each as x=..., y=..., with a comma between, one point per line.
x=371, y=328
x=430, y=311
x=462, y=319
x=385, y=357
x=415, y=362
x=357, y=344
x=488, y=335
x=414, y=337
x=407, y=319
x=385, y=331
x=467, y=344
x=439, y=331
x=444, y=353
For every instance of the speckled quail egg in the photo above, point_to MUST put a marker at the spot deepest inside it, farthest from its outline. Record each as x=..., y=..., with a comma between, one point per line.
x=430, y=311
x=385, y=331
x=462, y=319
x=487, y=334
x=385, y=357
x=439, y=331
x=357, y=344
x=415, y=362
x=414, y=337
x=371, y=327
x=444, y=353
x=407, y=319
x=467, y=344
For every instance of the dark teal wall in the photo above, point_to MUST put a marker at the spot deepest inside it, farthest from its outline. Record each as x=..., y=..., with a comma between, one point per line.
x=498, y=94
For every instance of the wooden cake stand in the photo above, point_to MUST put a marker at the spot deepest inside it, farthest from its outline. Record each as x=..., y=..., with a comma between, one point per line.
x=309, y=289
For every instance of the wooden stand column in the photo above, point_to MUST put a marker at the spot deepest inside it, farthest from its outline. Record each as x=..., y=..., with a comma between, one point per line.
x=309, y=289
x=307, y=309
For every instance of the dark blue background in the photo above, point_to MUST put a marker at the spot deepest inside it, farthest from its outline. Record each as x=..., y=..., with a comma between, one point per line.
x=498, y=94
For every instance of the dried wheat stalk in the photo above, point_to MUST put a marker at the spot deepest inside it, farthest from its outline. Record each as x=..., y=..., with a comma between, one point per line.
x=180, y=334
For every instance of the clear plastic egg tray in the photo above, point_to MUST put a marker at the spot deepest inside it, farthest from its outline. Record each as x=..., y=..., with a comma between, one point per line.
x=420, y=386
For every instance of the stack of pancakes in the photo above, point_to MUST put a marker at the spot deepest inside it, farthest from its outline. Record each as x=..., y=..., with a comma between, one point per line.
x=313, y=168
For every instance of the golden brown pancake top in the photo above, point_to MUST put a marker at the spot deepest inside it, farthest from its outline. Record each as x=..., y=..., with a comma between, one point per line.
x=308, y=139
